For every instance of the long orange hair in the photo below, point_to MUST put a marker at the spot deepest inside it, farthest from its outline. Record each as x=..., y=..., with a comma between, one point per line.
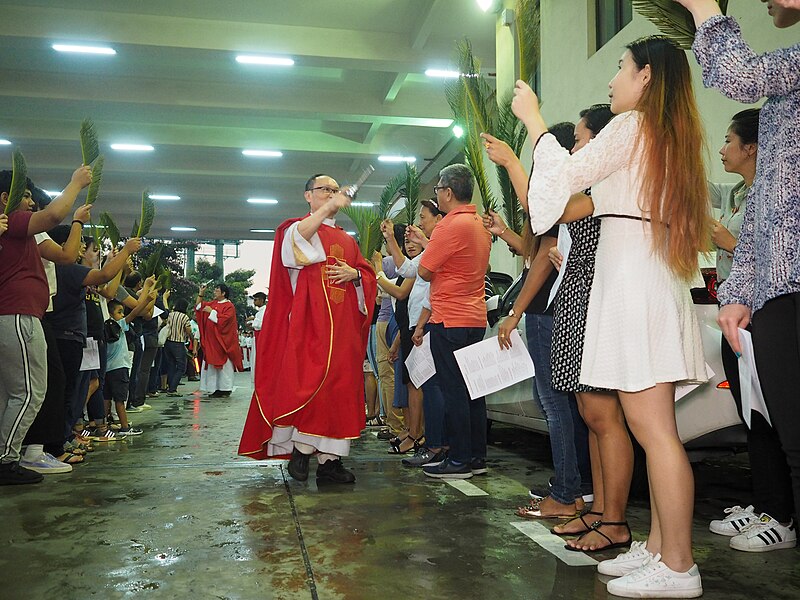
x=674, y=185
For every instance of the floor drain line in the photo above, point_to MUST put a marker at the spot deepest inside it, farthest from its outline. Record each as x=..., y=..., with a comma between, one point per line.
x=312, y=585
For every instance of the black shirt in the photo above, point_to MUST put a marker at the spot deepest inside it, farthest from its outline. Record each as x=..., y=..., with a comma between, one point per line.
x=94, y=315
x=538, y=305
x=68, y=318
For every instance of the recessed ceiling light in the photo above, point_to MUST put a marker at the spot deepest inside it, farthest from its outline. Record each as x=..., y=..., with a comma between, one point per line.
x=262, y=231
x=5, y=143
x=132, y=147
x=366, y=204
x=263, y=153
x=262, y=201
x=442, y=73
x=177, y=228
x=485, y=5
x=458, y=131
x=251, y=59
x=164, y=197
x=397, y=159
x=84, y=49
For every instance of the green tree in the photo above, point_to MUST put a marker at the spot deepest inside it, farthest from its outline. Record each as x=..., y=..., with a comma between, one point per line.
x=239, y=281
x=172, y=257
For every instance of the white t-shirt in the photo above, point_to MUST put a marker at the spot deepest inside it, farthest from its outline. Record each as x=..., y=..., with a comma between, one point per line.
x=49, y=270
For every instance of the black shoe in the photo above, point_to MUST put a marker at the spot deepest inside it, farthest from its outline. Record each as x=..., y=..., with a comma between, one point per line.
x=298, y=465
x=13, y=474
x=385, y=434
x=375, y=421
x=225, y=394
x=448, y=470
x=333, y=471
x=191, y=379
x=478, y=466
x=218, y=394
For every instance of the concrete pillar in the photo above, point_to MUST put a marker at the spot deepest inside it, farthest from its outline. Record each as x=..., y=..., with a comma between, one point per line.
x=219, y=255
x=190, y=260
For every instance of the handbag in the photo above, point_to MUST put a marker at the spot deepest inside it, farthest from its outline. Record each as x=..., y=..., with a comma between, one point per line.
x=111, y=331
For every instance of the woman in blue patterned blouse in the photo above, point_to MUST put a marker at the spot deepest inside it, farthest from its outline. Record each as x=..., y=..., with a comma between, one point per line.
x=763, y=288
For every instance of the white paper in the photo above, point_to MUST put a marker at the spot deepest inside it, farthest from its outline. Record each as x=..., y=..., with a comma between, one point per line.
x=564, y=245
x=91, y=356
x=420, y=363
x=487, y=368
x=752, y=396
x=683, y=390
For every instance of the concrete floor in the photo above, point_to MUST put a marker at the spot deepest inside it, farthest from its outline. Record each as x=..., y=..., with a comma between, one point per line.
x=175, y=513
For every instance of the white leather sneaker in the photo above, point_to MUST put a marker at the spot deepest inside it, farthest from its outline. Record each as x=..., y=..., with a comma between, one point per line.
x=627, y=561
x=654, y=579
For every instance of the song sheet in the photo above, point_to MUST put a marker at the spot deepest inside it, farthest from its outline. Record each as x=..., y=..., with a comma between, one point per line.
x=487, y=368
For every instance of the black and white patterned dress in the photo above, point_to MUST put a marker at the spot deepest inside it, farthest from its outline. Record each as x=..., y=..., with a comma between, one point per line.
x=571, y=304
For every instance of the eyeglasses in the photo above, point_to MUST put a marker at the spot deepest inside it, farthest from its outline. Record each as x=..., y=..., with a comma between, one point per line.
x=438, y=188
x=325, y=189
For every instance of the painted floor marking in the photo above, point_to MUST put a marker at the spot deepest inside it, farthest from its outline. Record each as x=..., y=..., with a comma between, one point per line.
x=466, y=488
x=553, y=544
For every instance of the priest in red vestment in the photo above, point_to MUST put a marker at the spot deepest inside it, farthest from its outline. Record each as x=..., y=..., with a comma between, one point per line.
x=219, y=332
x=309, y=385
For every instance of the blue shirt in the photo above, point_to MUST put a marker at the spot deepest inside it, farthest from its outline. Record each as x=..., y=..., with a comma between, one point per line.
x=118, y=355
x=766, y=263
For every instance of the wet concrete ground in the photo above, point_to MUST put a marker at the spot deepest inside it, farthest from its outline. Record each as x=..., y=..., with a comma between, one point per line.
x=175, y=513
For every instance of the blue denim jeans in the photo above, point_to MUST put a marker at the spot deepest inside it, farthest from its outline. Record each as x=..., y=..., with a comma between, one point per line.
x=433, y=411
x=465, y=419
x=558, y=408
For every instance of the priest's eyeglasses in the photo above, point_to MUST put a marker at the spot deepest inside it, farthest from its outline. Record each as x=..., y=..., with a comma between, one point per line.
x=325, y=189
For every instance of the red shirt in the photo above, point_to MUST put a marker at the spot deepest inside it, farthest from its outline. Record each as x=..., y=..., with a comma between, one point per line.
x=458, y=255
x=23, y=284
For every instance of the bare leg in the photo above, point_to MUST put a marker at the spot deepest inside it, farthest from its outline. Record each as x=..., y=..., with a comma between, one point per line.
x=122, y=414
x=651, y=416
x=371, y=393
x=413, y=417
x=594, y=457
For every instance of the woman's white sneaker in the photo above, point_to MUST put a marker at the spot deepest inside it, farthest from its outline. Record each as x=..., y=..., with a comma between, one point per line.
x=654, y=579
x=764, y=535
x=737, y=519
x=627, y=561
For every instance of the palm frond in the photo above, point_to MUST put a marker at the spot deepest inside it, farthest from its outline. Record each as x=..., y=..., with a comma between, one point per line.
x=389, y=194
x=368, y=227
x=97, y=176
x=150, y=265
x=510, y=130
x=148, y=214
x=672, y=19
x=110, y=228
x=164, y=281
x=135, y=230
x=19, y=181
x=528, y=29
x=98, y=235
x=411, y=192
x=90, y=147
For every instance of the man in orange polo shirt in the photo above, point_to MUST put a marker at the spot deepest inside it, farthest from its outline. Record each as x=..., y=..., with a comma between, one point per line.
x=455, y=263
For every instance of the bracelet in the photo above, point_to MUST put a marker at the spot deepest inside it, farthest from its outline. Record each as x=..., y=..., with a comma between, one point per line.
x=77, y=221
x=502, y=232
x=381, y=274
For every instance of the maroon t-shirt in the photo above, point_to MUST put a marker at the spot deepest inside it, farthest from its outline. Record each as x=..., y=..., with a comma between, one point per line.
x=23, y=284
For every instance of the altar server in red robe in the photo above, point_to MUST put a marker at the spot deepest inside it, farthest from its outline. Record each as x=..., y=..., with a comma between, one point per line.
x=219, y=331
x=309, y=385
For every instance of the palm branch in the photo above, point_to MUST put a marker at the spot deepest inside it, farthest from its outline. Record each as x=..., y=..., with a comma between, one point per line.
x=510, y=130
x=672, y=19
x=150, y=265
x=97, y=176
x=411, y=192
x=19, y=181
x=135, y=230
x=148, y=214
x=528, y=22
x=164, y=281
x=110, y=228
x=368, y=227
x=90, y=147
x=98, y=235
x=389, y=194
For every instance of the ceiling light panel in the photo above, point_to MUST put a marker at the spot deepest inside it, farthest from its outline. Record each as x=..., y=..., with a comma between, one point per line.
x=262, y=153
x=132, y=147
x=164, y=197
x=78, y=49
x=262, y=201
x=273, y=61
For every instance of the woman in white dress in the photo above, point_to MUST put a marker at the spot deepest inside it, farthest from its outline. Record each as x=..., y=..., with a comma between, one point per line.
x=646, y=172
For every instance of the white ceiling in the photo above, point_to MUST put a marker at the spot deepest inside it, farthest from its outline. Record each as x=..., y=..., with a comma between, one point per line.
x=357, y=90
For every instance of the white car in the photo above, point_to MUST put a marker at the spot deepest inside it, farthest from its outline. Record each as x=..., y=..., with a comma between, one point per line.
x=706, y=415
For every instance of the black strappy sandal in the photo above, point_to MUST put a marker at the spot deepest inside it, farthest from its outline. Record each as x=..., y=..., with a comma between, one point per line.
x=587, y=526
x=611, y=543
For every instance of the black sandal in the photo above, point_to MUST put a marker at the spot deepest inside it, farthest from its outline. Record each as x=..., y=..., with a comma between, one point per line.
x=611, y=543
x=395, y=445
x=587, y=526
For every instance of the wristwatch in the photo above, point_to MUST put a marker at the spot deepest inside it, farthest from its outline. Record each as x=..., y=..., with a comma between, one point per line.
x=511, y=313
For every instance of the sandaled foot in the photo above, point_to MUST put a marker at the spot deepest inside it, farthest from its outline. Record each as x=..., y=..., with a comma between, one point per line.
x=603, y=535
x=71, y=458
x=577, y=525
x=546, y=508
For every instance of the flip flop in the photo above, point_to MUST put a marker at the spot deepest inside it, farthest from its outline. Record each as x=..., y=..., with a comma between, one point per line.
x=611, y=543
x=72, y=459
x=587, y=526
x=531, y=512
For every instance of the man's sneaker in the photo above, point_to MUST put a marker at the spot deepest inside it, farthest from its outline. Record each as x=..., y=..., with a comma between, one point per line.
x=421, y=458
x=15, y=474
x=627, y=561
x=478, y=466
x=145, y=406
x=436, y=459
x=109, y=435
x=448, y=470
x=130, y=431
x=45, y=464
x=333, y=471
x=764, y=535
x=375, y=421
x=134, y=409
x=654, y=579
x=737, y=519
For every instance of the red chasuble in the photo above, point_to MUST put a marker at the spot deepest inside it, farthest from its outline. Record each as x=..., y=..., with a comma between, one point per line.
x=309, y=368
x=220, y=340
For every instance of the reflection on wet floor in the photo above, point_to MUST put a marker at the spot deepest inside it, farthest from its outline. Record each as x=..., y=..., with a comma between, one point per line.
x=175, y=514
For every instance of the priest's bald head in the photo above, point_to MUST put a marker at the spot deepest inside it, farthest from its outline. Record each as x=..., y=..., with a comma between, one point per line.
x=319, y=189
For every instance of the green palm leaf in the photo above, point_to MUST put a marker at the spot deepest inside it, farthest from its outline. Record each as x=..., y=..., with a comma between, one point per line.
x=90, y=147
x=368, y=227
x=528, y=22
x=410, y=190
x=148, y=214
x=672, y=19
x=98, y=235
x=164, y=281
x=511, y=131
x=97, y=176
x=135, y=230
x=19, y=181
x=150, y=266
x=110, y=228
x=389, y=194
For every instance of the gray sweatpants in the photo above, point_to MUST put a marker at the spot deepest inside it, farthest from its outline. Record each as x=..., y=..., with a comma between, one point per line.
x=23, y=380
